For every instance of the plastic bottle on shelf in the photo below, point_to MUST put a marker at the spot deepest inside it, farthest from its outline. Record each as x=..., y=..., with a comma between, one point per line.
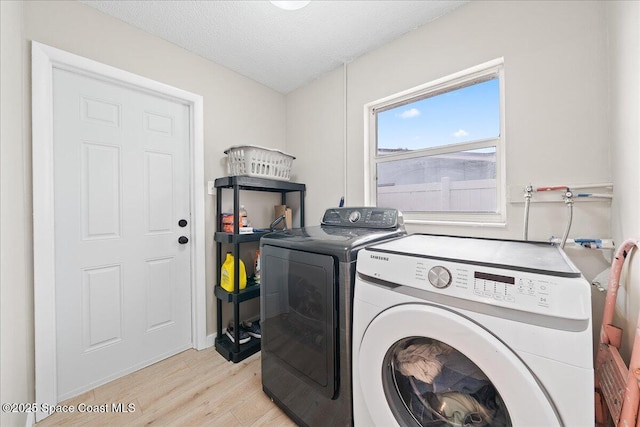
x=244, y=221
x=226, y=275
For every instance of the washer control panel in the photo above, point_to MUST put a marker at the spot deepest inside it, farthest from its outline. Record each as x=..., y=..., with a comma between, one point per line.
x=363, y=217
x=472, y=283
x=564, y=297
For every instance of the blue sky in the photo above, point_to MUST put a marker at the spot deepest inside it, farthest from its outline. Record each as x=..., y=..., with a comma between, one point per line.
x=468, y=114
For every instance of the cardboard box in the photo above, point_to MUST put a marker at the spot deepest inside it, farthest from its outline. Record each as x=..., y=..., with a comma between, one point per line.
x=288, y=217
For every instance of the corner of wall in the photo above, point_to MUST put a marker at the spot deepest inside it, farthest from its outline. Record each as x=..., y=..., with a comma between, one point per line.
x=16, y=290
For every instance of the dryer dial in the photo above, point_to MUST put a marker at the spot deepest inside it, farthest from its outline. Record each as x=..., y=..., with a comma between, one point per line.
x=439, y=277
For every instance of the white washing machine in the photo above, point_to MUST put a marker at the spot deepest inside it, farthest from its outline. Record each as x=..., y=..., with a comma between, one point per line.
x=454, y=331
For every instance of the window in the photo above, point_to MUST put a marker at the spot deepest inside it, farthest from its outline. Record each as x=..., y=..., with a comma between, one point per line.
x=436, y=152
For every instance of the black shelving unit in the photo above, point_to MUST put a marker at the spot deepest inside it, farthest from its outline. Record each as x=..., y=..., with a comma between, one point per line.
x=234, y=351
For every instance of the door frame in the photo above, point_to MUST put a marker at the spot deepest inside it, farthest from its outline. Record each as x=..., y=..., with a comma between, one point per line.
x=44, y=60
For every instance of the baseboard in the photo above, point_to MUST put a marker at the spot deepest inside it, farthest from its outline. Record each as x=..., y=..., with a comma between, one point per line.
x=31, y=419
x=211, y=339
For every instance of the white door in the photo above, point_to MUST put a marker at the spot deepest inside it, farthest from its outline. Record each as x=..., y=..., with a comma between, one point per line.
x=121, y=185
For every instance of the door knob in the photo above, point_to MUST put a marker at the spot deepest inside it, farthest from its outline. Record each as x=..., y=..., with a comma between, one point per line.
x=182, y=223
x=183, y=240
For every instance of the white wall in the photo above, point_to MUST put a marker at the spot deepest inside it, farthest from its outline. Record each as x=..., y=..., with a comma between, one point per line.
x=556, y=109
x=572, y=116
x=624, y=68
x=237, y=111
x=16, y=276
x=315, y=135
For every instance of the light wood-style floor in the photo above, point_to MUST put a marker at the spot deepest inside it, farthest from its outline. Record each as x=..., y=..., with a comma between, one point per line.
x=193, y=388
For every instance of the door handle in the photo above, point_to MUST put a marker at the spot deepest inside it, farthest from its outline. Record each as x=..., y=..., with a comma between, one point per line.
x=183, y=240
x=182, y=223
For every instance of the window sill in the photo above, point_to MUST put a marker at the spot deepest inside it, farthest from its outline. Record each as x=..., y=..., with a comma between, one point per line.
x=464, y=219
x=484, y=224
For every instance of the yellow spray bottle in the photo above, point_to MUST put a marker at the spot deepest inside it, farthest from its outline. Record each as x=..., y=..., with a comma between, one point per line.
x=226, y=275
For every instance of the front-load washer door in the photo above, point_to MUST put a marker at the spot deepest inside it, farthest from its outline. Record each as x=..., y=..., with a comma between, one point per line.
x=426, y=365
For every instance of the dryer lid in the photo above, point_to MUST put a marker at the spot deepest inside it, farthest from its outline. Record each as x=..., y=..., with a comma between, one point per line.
x=341, y=242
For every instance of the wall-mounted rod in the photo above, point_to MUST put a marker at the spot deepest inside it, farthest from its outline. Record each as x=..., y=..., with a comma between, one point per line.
x=553, y=188
x=574, y=187
x=595, y=195
x=586, y=243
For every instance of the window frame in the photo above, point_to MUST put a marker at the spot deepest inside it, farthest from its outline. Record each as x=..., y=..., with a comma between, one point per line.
x=470, y=76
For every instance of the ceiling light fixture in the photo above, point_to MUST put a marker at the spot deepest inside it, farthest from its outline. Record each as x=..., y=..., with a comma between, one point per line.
x=291, y=4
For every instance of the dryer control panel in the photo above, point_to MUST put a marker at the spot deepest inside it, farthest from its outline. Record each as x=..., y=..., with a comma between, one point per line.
x=362, y=217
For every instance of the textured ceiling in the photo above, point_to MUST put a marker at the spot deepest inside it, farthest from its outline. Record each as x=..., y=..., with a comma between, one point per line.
x=280, y=49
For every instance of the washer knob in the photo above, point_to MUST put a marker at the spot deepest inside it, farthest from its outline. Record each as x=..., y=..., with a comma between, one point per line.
x=439, y=277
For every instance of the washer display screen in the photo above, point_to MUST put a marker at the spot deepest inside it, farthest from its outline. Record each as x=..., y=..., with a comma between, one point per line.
x=494, y=277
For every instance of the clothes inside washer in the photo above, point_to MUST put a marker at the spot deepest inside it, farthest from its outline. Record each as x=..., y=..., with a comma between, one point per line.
x=459, y=409
x=421, y=360
x=456, y=391
x=440, y=367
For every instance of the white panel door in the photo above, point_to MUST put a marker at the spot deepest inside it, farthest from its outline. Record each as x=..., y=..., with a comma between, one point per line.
x=121, y=172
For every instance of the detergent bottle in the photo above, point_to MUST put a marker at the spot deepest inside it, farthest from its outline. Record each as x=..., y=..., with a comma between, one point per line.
x=226, y=274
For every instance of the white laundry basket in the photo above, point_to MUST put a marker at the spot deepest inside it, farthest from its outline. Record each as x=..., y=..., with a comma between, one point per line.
x=251, y=160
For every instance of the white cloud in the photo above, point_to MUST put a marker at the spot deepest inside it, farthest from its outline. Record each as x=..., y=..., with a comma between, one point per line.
x=460, y=133
x=409, y=114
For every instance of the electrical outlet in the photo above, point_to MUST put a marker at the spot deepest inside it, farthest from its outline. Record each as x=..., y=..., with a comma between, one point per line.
x=211, y=189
